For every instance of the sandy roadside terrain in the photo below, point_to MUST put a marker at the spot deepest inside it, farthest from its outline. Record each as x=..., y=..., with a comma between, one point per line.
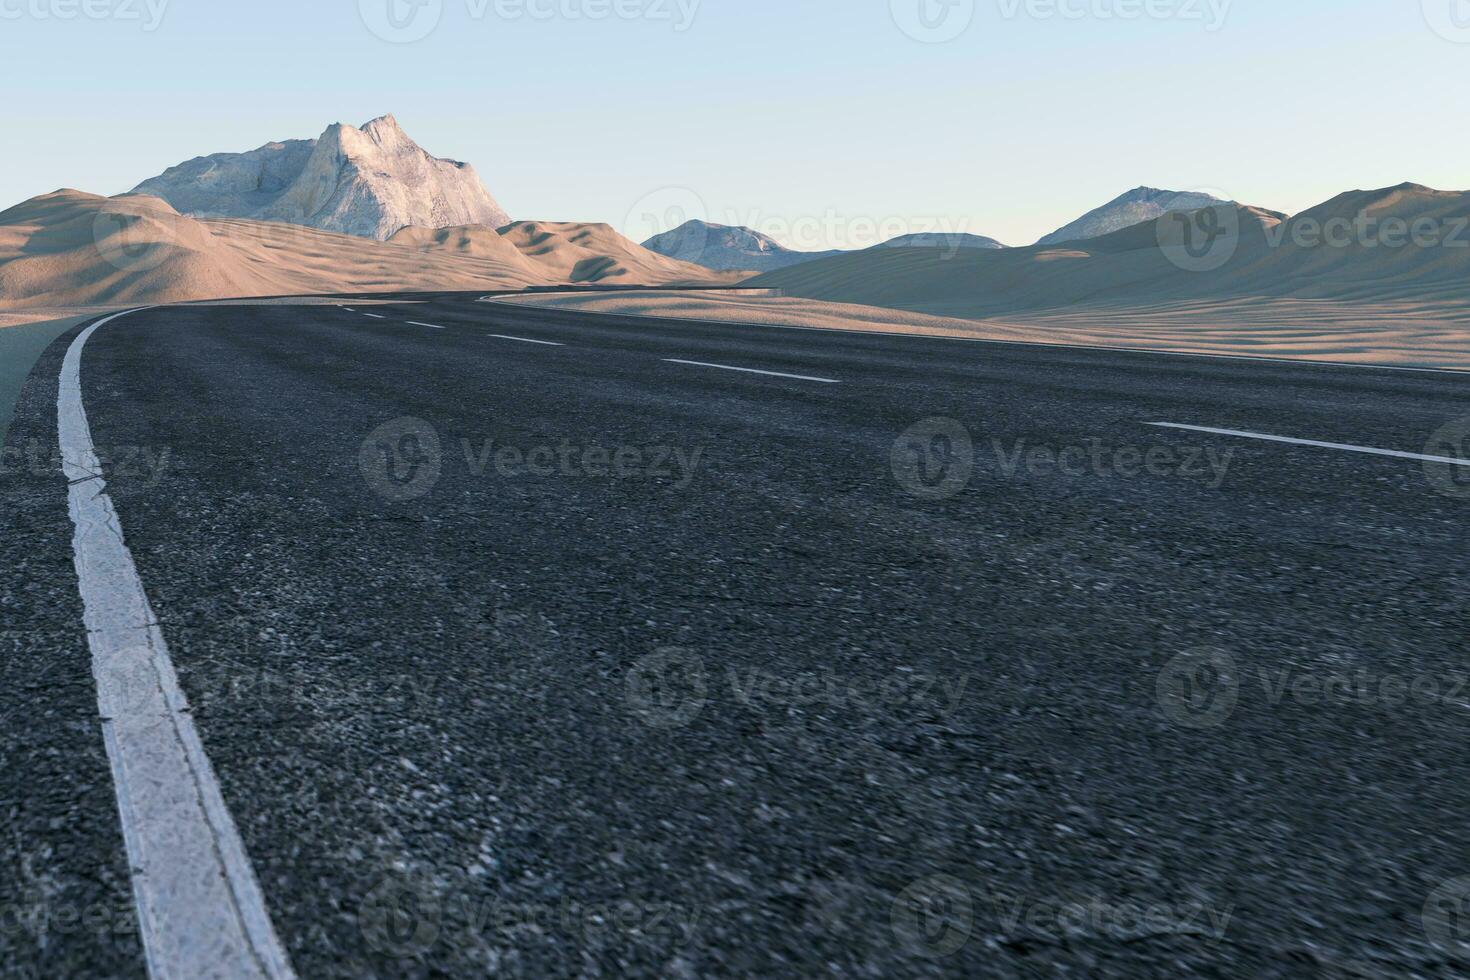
x=9, y=318
x=21, y=344
x=69, y=249
x=1399, y=334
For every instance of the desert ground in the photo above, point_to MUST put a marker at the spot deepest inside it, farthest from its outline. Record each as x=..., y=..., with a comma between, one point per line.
x=69, y=250
x=1386, y=333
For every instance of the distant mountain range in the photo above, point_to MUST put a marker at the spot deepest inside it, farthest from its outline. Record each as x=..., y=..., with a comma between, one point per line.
x=374, y=181
x=732, y=247
x=379, y=212
x=728, y=247
x=1259, y=254
x=1135, y=207
x=369, y=182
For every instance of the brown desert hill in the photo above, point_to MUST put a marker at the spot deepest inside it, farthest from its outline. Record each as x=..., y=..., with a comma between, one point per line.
x=1360, y=246
x=1124, y=266
x=72, y=249
x=476, y=241
x=575, y=252
x=1408, y=242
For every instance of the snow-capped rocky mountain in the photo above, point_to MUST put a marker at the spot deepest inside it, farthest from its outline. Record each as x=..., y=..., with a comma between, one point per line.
x=727, y=247
x=1135, y=207
x=369, y=182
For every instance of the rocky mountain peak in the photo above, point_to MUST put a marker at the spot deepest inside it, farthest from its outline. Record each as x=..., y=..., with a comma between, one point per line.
x=369, y=181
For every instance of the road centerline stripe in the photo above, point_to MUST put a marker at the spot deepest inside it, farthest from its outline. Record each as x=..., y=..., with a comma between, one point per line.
x=200, y=908
x=1345, y=447
x=746, y=370
x=431, y=326
x=525, y=340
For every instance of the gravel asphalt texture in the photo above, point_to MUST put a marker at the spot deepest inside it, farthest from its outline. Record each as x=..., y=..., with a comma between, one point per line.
x=529, y=660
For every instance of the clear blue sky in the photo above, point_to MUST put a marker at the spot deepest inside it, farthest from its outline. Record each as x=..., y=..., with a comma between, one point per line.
x=814, y=119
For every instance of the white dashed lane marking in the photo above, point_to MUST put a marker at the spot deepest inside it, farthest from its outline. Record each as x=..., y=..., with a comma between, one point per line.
x=375, y=316
x=525, y=340
x=1343, y=447
x=746, y=370
x=431, y=326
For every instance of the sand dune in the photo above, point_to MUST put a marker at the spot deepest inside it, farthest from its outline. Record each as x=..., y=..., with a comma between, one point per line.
x=474, y=241
x=1323, y=330
x=577, y=252
x=1407, y=242
x=71, y=249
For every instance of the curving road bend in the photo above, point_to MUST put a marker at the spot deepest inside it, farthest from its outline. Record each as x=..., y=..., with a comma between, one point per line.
x=541, y=644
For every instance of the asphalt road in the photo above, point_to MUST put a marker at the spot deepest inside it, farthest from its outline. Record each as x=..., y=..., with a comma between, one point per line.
x=523, y=646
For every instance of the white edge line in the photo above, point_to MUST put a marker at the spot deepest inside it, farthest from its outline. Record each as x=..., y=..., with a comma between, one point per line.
x=746, y=370
x=525, y=340
x=1453, y=461
x=431, y=326
x=1309, y=362
x=200, y=908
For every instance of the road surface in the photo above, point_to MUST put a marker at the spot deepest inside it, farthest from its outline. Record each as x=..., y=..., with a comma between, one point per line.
x=530, y=643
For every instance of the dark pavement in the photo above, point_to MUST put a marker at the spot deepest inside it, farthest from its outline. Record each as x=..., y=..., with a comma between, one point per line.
x=530, y=660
